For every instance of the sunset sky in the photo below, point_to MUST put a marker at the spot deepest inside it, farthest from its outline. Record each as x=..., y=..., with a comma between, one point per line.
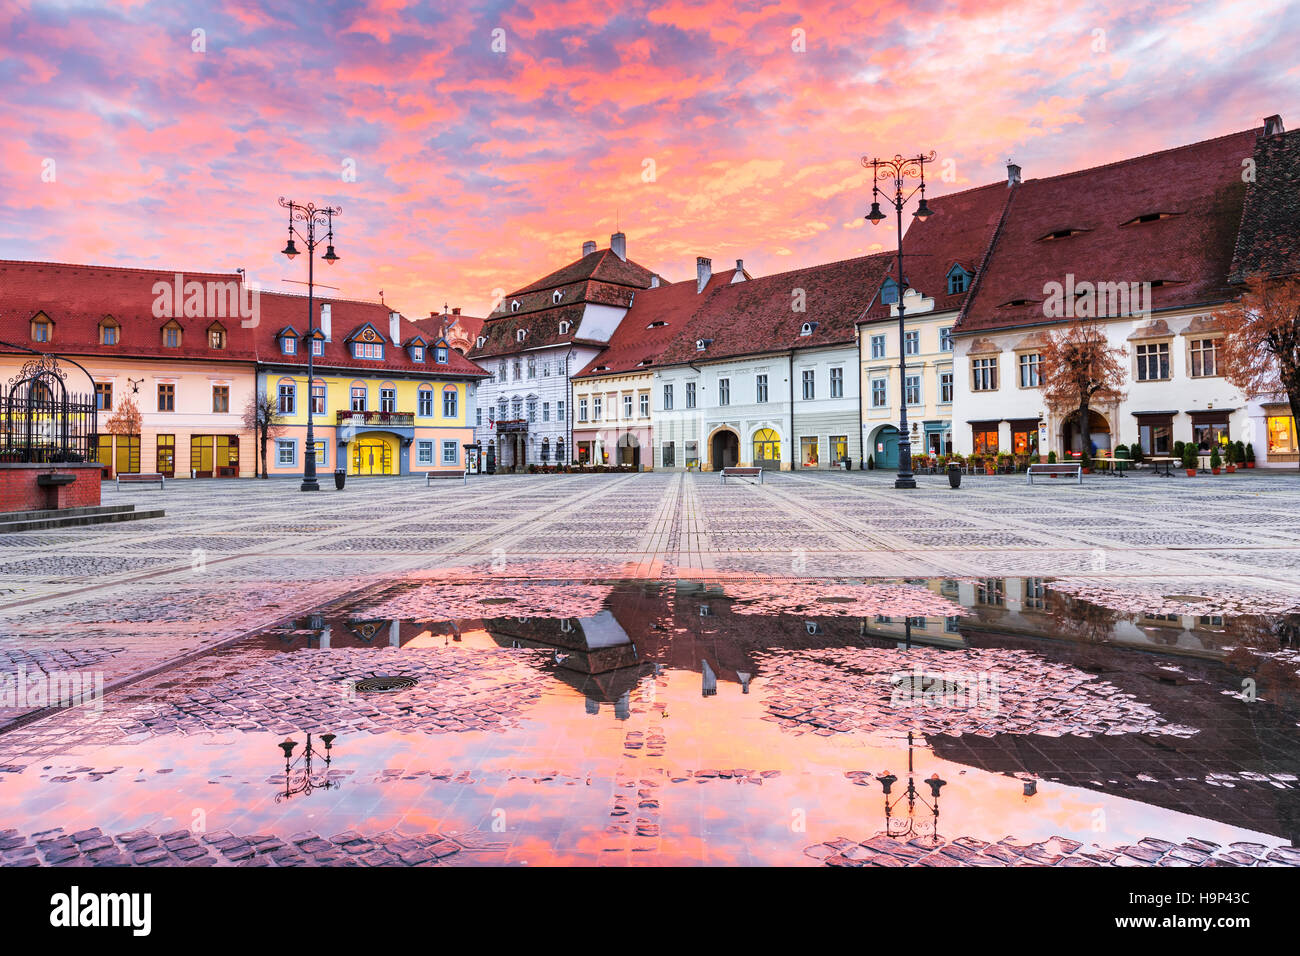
x=696, y=127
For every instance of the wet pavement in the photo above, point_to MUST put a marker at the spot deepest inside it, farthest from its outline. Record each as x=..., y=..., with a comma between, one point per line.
x=568, y=718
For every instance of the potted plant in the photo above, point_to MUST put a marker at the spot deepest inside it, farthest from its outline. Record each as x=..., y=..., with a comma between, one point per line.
x=1241, y=453
x=1179, y=448
x=1250, y=456
x=1215, y=461
x=1051, y=458
x=1230, y=458
x=1189, y=459
x=1085, y=461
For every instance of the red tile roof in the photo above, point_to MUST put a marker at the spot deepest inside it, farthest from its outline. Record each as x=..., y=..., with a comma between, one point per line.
x=77, y=297
x=958, y=233
x=1200, y=184
x=758, y=316
x=601, y=266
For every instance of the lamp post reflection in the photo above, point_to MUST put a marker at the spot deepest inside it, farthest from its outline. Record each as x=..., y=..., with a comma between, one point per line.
x=908, y=827
x=298, y=774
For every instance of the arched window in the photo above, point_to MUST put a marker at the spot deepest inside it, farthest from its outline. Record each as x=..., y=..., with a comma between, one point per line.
x=110, y=333
x=546, y=449
x=171, y=335
x=559, y=450
x=42, y=328
x=287, y=396
x=425, y=405
x=450, y=402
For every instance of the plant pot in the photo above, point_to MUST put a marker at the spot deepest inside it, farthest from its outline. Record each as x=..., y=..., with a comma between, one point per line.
x=954, y=477
x=340, y=477
x=1250, y=464
x=1191, y=472
x=1232, y=469
x=1214, y=471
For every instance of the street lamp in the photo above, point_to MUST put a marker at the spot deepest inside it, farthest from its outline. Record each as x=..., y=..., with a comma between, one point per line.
x=909, y=827
x=897, y=169
x=313, y=217
x=304, y=781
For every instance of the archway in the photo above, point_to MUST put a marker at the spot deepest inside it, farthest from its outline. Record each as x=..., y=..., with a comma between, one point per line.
x=1098, y=432
x=884, y=447
x=372, y=456
x=724, y=449
x=767, y=449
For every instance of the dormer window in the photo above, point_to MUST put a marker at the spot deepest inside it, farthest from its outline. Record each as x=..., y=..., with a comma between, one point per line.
x=659, y=324
x=171, y=335
x=702, y=344
x=368, y=350
x=889, y=292
x=601, y=368
x=556, y=296
x=521, y=334
x=288, y=345
x=514, y=306
x=1015, y=303
x=564, y=328
x=807, y=328
x=1061, y=234
x=958, y=280
x=42, y=328
x=417, y=353
x=1150, y=217
x=109, y=331
x=440, y=355
x=481, y=341
x=216, y=336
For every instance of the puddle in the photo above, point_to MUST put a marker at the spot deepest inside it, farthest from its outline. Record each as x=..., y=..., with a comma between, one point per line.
x=731, y=723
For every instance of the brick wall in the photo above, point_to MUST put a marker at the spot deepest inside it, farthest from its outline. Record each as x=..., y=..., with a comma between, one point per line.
x=20, y=492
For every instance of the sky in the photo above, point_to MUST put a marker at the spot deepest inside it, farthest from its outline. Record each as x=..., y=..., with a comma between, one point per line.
x=473, y=148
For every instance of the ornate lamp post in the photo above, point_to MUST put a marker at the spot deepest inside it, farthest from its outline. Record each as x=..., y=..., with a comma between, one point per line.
x=910, y=828
x=304, y=781
x=313, y=217
x=897, y=169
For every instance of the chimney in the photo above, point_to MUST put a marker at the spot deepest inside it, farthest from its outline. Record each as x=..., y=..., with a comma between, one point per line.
x=395, y=328
x=739, y=275
x=1273, y=125
x=1013, y=174
x=325, y=321
x=703, y=271
x=654, y=281
x=456, y=311
x=618, y=243
x=588, y=247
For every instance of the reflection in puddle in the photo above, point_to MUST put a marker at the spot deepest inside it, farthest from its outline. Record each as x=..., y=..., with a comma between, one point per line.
x=617, y=723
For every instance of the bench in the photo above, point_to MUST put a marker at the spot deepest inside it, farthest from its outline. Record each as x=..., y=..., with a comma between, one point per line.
x=142, y=478
x=430, y=476
x=737, y=472
x=1043, y=468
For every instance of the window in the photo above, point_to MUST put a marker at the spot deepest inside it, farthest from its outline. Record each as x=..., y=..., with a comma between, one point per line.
x=1281, y=435
x=945, y=388
x=1024, y=436
x=690, y=395
x=945, y=339
x=1153, y=362
x=287, y=400
x=559, y=417
x=1030, y=373
x=1156, y=433
x=317, y=346
x=439, y=355
x=724, y=391
x=532, y=366
x=359, y=398
x=912, y=343
x=108, y=332
x=451, y=402
x=668, y=398
x=958, y=280
x=546, y=370
x=912, y=389
x=478, y=416
x=809, y=384
x=104, y=396
x=692, y=454
x=288, y=345
x=877, y=346
x=501, y=371
x=318, y=398
x=597, y=408
x=532, y=410
x=42, y=329
x=165, y=455
x=879, y=397
x=839, y=446
x=516, y=369
x=424, y=403
x=501, y=410
x=216, y=337
x=559, y=450
x=668, y=454
x=644, y=404
x=808, y=452
x=417, y=353
x=984, y=438
x=546, y=411
x=1205, y=358
x=546, y=449
x=221, y=398
x=368, y=350
x=984, y=374
x=627, y=406
x=450, y=453
x=424, y=452
x=889, y=292
x=582, y=408
x=286, y=452
x=171, y=336
x=167, y=398
x=322, y=452
x=517, y=409
x=837, y=383
x=388, y=400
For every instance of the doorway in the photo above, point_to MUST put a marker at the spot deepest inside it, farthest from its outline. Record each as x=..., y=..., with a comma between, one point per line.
x=724, y=450
x=767, y=450
x=372, y=456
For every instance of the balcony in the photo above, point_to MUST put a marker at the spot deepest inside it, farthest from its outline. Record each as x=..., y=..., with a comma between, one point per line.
x=395, y=419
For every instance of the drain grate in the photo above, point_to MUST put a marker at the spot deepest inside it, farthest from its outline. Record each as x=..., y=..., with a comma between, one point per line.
x=384, y=685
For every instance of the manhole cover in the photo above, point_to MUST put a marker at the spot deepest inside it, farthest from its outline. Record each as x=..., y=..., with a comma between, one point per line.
x=384, y=685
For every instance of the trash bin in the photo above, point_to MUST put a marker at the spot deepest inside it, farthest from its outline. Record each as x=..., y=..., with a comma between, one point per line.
x=954, y=476
x=340, y=476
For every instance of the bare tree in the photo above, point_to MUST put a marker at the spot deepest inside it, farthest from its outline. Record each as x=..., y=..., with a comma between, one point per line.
x=1261, y=344
x=1079, y=367
x=262, y=417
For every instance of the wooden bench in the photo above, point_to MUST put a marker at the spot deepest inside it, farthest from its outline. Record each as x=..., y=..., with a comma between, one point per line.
x=1066, y=468
x=737, y=472
x=431, y=476
x=142, y=478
